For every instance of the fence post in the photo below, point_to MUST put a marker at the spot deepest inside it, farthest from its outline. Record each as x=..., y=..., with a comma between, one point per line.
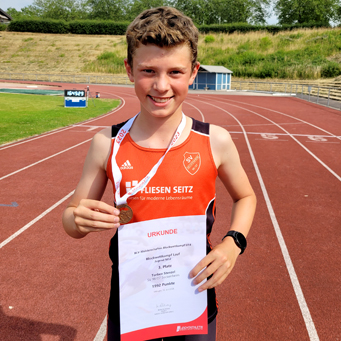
x=328, y=97
x=291, y=89
x=309, y=88
x=286, y=87
x=270, y=87
x=318, y=94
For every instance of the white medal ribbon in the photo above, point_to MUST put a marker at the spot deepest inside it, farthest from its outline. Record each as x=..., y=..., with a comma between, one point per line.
x=117, y=172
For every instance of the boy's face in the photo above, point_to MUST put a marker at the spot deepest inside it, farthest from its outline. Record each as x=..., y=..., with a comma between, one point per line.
x=161, y=77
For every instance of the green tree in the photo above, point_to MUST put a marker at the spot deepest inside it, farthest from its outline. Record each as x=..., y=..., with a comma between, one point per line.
x=57, y=9
x=25, y=12
x=224, y=11
x=107, y=9
x=137, y=6
x=307, y=11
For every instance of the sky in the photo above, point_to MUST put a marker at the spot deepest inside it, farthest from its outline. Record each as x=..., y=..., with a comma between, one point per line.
x=19, y=4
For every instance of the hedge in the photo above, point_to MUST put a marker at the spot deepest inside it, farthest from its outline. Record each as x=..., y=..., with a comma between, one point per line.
x=97, y=27
x=39, y=26
x=119, y=28
x=245, y=28
x=3, y=27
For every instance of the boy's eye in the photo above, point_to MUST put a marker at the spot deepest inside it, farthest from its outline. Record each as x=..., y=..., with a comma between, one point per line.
x=148, y=70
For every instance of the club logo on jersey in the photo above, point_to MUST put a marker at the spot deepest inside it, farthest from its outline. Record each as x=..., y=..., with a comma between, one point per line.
x=192, y=162
x=126, y=165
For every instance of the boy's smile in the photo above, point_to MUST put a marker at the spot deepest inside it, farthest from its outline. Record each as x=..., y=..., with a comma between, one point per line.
x=161, y=76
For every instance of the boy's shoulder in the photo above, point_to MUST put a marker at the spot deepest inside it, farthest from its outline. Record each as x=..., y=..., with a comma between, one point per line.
x=115, y=128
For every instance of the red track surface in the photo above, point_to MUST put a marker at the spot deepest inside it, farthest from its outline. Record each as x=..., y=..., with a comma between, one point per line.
x=285, y=287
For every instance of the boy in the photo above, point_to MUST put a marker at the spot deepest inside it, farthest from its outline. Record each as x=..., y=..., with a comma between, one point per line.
x=187, y=154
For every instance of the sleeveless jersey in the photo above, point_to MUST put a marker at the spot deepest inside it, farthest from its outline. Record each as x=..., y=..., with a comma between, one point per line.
x=183, y=185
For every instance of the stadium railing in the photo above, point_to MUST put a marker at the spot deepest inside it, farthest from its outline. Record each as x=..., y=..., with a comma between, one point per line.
x=329, y=96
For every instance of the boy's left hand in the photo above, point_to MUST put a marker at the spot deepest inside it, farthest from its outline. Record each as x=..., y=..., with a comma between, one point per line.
x=219, y=262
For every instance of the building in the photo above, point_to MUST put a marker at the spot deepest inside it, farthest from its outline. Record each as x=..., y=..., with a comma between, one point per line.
x=4, y=17
x=212, y=77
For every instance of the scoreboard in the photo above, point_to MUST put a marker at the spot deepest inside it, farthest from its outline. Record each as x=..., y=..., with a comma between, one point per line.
x=75, y=99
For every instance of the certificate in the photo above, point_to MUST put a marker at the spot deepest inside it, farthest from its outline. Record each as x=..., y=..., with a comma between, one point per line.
x=157, y=297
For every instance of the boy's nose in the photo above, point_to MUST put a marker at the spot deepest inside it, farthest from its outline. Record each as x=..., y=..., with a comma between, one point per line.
x=161, y=83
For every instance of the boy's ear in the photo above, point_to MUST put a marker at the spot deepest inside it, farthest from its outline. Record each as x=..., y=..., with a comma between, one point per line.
x=129, y=70
x=194, y=73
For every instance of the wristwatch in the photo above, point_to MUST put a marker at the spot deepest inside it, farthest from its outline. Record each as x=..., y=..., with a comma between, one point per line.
x=239, y=239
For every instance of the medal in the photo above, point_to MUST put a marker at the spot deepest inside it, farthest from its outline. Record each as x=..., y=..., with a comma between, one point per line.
x=126, y=213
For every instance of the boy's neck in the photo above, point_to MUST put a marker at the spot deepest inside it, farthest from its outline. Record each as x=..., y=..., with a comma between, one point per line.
x=155, y=132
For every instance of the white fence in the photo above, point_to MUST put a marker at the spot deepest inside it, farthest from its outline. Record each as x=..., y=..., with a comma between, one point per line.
x=327, y=96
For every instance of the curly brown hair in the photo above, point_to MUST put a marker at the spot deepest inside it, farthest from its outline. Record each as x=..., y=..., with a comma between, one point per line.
x=163, y=27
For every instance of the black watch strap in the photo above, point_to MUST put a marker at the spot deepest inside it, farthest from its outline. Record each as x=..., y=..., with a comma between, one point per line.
x=238, y=238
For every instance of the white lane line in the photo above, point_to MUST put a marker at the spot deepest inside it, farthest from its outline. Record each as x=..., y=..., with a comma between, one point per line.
x=102, y=332
x=92, y=128
x=289, y=134
x=16, y=234
x=42, y=160
x=88, y=126
x=261, y=124
x=59, y=130
x=279, y=134
x=29, y=139
x=287, y=259
x=281, y=113
x=202, y=115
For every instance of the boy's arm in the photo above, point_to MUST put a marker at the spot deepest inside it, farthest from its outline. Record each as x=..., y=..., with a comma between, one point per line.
x=220, y=261
x=86, y=213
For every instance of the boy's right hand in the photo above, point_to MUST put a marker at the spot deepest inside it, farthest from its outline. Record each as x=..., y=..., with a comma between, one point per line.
x=94, y=216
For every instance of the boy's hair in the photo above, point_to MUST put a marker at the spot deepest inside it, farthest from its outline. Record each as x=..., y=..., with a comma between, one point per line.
x=163, y=27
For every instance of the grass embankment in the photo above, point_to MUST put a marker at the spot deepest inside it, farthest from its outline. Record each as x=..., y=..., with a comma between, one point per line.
x=26, y=115
x=302, y=54
x=299, y=54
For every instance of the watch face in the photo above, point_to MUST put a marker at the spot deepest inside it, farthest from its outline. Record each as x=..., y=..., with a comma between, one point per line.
x=241, y=240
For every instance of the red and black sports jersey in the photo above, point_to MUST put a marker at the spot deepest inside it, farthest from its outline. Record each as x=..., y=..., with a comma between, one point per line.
x=183, y=185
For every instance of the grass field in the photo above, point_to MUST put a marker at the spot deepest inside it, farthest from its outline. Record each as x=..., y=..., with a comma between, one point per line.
x=27, y=115
x=301, y=54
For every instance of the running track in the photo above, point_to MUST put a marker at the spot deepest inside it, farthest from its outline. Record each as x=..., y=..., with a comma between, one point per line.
x=285, y=287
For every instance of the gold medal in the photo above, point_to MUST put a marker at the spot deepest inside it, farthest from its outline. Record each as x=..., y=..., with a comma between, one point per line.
x=126, y=213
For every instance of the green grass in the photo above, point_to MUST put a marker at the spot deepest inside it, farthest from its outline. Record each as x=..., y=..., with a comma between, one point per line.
x=302, y=54
x=107, y=62
x=22, y=116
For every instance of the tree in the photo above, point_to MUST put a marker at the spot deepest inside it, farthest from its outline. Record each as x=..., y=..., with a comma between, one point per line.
x=224, y=11
x=58, y=9
x=25, y=12
x=137, y=6
x=307, y=11
x=107, y=9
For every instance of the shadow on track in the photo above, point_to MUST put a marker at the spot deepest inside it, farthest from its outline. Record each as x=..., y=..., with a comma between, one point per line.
x=14, y=328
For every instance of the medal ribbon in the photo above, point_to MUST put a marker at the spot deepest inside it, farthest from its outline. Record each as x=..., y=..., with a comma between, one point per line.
x=117, y=172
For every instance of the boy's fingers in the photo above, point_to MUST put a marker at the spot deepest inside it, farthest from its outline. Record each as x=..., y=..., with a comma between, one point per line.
x=86, y=225
x=200, y=266
x=211, y=269
x=100, y=206
x=218, y=277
